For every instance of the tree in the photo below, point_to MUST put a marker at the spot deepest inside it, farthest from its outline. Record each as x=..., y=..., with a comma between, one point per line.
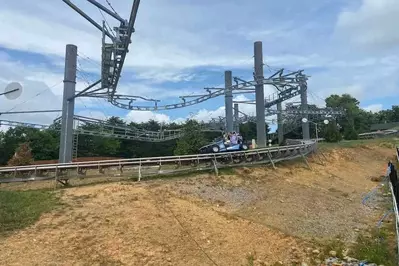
x=331, y=132
x=350, y=123
x=192, y=139
x=248, y=130
x=22, y=156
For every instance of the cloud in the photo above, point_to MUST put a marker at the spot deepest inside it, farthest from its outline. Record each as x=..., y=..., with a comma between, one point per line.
x=167, y=58
x=374, y=108
x=144, y=116
x=373, y=24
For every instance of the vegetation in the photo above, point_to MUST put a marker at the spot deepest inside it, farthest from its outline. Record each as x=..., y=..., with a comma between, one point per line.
x=22, y=156
x=191, y=140
x=44, y=144
x=375, y=248
x=19, y=209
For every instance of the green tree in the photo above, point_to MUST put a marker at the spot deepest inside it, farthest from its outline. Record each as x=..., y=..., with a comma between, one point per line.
x=351, y=122
x=248, y=130
x=331, y=132
x=192, y=139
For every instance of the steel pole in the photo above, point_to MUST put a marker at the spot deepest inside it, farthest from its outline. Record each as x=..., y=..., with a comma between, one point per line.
x=280, y=125
x=304, y=109
x=66, y=140
x=236, y=117
x=228, y=100
x=260, y=96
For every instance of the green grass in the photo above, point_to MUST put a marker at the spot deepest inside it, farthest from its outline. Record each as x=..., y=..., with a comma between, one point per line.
x=376, y=248
x=19, y=209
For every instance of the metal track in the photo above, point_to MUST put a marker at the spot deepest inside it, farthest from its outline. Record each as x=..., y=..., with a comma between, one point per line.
x=193, y=162
x=96, y=127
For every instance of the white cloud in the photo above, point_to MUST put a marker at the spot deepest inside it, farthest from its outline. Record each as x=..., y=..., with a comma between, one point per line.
x=144, y=116
x=373, y=24
x=165, y=50
x=374, y=108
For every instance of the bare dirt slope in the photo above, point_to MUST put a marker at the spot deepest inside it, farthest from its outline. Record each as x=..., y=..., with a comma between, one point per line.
x=261, y=213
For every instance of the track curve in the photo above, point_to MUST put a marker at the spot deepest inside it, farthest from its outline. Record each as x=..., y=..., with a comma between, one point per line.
x=159, y=165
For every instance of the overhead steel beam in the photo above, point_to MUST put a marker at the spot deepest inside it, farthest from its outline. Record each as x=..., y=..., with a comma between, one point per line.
x=88, y=18
x=106, y=10
x=30, y=112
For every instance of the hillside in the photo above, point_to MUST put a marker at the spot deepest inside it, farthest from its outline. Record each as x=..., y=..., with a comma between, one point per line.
x=249, y=215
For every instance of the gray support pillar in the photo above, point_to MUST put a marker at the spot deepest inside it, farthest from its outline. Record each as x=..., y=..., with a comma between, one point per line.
x=228, y=100
x=260, y=97
x=66, y=140
x=304, y=108
x=280, y=125
x=236, y=117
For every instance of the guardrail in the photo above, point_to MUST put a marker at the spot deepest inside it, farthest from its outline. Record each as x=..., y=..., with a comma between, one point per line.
x=395, y=206
x=64, y=171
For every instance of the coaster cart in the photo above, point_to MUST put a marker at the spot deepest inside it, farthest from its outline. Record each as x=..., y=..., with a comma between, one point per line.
x=219, y=146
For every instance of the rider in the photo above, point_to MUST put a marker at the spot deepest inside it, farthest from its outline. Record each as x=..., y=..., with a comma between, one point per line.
x=233, y=138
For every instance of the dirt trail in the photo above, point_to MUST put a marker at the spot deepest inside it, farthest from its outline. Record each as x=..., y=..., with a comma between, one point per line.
x=261, y=213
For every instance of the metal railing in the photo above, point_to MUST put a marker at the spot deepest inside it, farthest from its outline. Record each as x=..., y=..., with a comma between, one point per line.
x=213, y=161
x=395, y=206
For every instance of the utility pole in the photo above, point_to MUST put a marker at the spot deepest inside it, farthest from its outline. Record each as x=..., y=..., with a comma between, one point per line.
x=236, y=122
x=68, y=104
x=304, y=109
x=280, y=125
x=259, y=96
x=228, y=100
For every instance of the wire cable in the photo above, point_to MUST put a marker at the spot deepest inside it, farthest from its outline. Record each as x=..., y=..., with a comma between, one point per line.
x=39, y=93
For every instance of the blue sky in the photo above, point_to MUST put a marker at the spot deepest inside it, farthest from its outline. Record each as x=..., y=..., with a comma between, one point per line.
x=180, y=47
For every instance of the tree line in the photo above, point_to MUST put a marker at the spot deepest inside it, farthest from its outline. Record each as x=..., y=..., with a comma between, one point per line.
x=43, y=144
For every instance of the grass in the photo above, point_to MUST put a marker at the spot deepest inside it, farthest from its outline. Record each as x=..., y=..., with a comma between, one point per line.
x=376, y=248
x=19, y=209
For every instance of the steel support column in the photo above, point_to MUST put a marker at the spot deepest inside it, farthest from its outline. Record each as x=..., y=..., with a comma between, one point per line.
x=280, y=125
x=66, y=140
x=228, y=100
x=260, y=96
x=236, y=118
x=304, y=109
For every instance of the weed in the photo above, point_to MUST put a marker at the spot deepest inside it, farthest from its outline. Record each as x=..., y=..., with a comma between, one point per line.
x=227, y=171
x=19, y=209
x=336, y=245
x=374, y=248
x=251, y=259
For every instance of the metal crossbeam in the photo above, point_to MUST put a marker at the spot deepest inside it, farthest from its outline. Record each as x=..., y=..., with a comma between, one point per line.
x=16, y=124
x=114, y=53
x=289, y=87
x=321, y=111
x=104, y=129
x=30, y=112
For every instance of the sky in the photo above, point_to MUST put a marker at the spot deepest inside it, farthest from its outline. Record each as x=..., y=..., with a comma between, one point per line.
x=180, y=47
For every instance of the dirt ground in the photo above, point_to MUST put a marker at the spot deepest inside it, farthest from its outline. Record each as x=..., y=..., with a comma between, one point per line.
x=262, y=214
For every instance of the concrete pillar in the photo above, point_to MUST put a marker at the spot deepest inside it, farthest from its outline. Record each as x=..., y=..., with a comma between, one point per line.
x=259, y=96
x=280, y=125
x=66, y=140
x=304, y=109
x=236, y=117
x=228, y=100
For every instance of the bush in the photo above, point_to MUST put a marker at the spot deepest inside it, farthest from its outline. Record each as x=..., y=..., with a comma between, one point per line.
x=22, y=156
x=332, y=133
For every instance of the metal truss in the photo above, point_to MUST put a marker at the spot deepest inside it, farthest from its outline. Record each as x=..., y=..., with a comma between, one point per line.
x=113, y=53
x=320, y=111
x=16, y=124
x=288, y=86
x=136, y=166
x=95, y=127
